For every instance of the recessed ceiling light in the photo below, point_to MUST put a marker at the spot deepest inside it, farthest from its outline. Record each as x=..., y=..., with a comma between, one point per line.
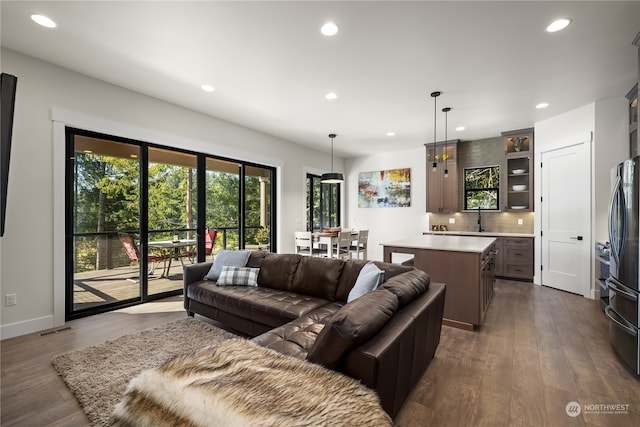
x=329, y=29
x=207, y=88
x=542, y=105
x=391, y=134
x=331, y=96
x=558, y=24
x=44, y=21
x=460, y=128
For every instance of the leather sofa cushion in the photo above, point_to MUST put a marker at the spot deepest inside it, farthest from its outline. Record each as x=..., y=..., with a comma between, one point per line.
x=350, y=326
x=256, y=258
x=267, y=306
x=277, y=271
x=352, y=269
x=408, y=287
x=297, y=337
x=317, y=277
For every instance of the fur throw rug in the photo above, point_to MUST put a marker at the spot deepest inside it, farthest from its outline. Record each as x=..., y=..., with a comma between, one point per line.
x=238, y=383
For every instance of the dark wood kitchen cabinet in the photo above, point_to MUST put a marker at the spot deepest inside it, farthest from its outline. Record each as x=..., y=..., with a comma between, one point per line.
x=442, y=188
x=517, y=258
x=518, y=184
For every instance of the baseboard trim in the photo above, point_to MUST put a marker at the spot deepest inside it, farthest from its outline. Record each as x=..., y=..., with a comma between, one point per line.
x=26, y=327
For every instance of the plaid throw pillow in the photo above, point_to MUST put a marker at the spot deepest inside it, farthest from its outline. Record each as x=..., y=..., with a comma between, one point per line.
x=239, y=276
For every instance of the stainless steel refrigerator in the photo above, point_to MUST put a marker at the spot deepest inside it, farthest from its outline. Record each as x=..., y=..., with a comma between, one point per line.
x=623, y=311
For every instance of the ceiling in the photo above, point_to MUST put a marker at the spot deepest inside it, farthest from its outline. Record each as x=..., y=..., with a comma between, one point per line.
x=271, y=67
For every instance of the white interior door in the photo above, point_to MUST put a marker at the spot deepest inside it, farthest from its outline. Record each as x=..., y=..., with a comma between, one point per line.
x=565, y=203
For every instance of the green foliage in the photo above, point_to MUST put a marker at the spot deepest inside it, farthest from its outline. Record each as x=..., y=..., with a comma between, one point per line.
x=482, y=187
x=107, y=200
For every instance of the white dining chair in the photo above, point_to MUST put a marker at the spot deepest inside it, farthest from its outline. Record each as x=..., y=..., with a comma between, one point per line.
x=359, y=246
x=304, y=244
x=343, y=244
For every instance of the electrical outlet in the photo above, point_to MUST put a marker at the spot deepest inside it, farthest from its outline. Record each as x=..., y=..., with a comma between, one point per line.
x=452, y=220
x=520, y=221
x=10, y=299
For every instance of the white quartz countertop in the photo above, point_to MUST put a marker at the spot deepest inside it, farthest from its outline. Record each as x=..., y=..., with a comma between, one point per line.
x=445, y=243
x=478, y=233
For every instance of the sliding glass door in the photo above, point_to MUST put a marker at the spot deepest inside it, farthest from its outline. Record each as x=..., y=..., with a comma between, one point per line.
x=104, y=217
x=171, y=215
x=241, y=214
x=136, y=213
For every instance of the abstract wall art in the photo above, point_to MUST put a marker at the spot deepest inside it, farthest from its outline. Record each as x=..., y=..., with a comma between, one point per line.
x=384, y=189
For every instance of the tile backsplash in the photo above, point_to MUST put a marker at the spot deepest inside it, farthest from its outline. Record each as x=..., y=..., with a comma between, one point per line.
x=497, y=222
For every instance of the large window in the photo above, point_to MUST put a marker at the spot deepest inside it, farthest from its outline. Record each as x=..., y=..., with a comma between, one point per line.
x=482, y=187
x=137, y=212
x=323, y=204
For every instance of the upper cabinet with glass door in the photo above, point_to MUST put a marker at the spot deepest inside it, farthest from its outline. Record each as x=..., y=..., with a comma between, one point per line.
x=518, y=182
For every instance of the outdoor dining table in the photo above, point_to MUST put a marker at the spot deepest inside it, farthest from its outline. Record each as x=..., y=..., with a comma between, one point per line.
x=171, y=249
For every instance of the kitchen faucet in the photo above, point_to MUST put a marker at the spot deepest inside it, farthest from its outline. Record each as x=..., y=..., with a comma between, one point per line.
x=480, y=229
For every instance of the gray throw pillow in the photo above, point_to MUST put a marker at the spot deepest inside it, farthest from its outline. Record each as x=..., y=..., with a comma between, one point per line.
x=226, y=257
x=369, y=279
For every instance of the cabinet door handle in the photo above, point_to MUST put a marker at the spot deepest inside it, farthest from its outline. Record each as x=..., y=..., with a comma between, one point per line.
x=576, y=237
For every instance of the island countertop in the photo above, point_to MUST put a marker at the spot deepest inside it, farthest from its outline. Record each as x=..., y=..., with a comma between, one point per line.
x=444, y=243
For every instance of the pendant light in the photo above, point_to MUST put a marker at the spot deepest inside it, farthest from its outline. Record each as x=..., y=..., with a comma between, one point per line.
x=434, y=166
x=445, y=156
x=333, y=177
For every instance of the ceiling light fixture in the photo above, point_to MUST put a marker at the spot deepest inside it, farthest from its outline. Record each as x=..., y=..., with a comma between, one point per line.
x=44, y=21
x=460, y=128
x=207, y=88
x=558, y=24
x=435, y=95
x=331, y=96
x=391, y=134
x=329, y=29
x=542, y=105
x=333, y=177
x=445, y=156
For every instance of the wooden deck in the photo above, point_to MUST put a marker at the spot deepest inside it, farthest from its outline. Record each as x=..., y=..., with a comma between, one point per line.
x=99, y=287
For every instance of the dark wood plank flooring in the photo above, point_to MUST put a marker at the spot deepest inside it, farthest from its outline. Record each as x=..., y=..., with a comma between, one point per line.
x=538, y=350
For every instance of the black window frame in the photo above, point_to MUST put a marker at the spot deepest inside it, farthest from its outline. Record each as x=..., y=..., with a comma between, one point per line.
x=325, y=219
x=467, y=191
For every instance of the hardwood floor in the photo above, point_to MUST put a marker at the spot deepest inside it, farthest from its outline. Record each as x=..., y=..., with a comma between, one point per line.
x=538, y=350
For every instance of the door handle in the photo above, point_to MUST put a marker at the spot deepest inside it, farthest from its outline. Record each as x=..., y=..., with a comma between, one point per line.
x=576, y=237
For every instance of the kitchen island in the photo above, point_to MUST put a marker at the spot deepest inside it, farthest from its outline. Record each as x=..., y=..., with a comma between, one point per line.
x=464, y=263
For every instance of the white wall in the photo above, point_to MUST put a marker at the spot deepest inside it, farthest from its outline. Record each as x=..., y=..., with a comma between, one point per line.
x=604, y=125
x=611, y=137
x=27, y=262
x=388, y=224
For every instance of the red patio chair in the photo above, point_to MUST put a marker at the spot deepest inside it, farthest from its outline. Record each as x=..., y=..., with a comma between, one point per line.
x=133, y=253
x=209, y=244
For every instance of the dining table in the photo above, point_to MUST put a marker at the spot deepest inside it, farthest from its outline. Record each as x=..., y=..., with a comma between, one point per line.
x=328, y=239
x=171, y=250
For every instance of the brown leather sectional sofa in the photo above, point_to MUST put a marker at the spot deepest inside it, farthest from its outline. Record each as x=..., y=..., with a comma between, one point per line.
x=385, y=338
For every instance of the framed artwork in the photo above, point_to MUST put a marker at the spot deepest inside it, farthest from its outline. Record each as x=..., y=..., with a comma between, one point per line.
x=384, y=189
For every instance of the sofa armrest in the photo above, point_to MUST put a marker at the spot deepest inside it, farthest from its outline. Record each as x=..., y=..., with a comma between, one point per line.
x=193, y=273
x=394, y=360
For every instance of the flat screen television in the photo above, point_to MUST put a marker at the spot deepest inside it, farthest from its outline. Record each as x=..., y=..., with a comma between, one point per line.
x=8, y=86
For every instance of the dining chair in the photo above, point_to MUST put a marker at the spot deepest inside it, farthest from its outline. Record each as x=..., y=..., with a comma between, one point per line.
x=342, y=247
x=133, y=253
x=304, y=244
x=359, y=245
